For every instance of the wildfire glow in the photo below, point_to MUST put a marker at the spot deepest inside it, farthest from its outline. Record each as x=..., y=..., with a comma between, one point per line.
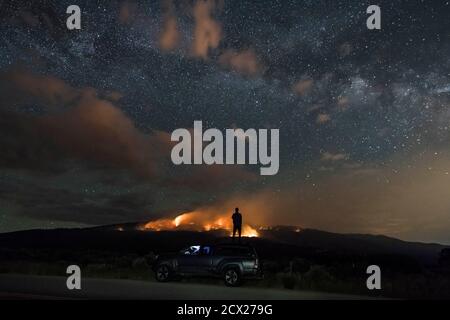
x=199, y=221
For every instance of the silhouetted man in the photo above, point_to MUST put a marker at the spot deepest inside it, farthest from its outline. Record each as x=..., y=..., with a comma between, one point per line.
x=237, y=223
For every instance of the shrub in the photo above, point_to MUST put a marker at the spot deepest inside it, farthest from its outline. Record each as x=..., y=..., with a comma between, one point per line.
x=140, y=263
x=150, y=258
x=444, y=257
x=317, y=278
x=300, y=265
x=270, y=266
x=289, y=281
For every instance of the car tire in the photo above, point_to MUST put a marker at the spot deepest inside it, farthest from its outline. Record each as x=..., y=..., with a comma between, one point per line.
x=162, y=273
x=232, y=277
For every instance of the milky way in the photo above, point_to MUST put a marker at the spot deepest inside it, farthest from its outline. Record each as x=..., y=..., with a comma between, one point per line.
x=364, y=117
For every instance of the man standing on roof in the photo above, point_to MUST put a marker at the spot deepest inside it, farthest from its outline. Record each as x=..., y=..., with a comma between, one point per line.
x=237, y=223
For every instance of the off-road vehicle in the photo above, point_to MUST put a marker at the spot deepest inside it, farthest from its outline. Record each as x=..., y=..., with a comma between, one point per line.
x=231, y=262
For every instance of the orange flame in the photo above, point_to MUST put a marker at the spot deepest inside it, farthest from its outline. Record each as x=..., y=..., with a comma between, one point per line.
x=199, y=221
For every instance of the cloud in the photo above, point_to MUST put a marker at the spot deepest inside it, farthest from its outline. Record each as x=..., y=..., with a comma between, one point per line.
x=96, y=130
x=328, y=156
x=244, y=62
x=207, y=31
x=323, y=118
x=127, y=11
x=77, y=128
x=20, y=87
x=76, y=123
x=83, y=126
x=169, y=37
x=44, y=16
x=65, y=198
x=303, y=87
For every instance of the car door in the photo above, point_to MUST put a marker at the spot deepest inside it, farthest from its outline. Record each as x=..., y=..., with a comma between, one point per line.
x=186, y=258
x=196, y=260
x=221, y=255
x=205, y=260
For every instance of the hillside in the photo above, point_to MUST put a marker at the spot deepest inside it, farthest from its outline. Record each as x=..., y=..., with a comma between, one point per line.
x=277, y=242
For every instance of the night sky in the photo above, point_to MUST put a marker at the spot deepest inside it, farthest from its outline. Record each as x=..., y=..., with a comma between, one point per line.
x=364, y=115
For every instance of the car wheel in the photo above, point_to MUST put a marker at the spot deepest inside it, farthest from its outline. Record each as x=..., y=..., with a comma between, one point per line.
x=232, y=277
x=162, y=273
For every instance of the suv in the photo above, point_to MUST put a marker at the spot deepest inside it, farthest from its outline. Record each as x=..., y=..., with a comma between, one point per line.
x=231, y=262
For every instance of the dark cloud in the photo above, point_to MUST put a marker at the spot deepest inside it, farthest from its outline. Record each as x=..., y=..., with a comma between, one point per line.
x=170, y=35
x=83, y=205
x=89, y=128
x=40, y=14
x=207, y=30
x=79, y=128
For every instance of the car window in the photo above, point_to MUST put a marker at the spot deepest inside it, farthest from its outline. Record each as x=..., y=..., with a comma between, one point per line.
x=206, y=250
x=192, y=251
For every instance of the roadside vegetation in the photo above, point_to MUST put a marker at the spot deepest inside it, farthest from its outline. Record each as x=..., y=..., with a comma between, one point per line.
x=401, y=278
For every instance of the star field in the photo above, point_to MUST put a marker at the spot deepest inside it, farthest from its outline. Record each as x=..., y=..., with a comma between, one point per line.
x=363, y=114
